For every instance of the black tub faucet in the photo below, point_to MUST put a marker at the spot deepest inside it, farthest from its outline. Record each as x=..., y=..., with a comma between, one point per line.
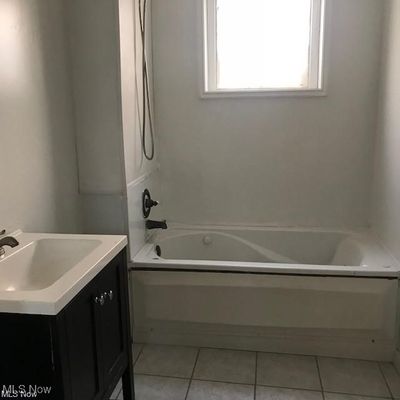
x=7, y=241
x=156, y=224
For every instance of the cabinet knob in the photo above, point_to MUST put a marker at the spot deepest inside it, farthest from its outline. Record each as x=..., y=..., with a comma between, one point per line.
x=100, y=300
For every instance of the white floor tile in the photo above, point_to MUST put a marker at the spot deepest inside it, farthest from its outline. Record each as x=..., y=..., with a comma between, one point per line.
x=170, y=361
x=289, y=371
x=270, y=393
x=226, y=366
x=352, y=377
x=158, y=388
x=202, y=390
x=392, y=378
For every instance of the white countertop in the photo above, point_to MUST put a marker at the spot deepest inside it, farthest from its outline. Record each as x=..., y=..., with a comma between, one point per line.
x=52, y=299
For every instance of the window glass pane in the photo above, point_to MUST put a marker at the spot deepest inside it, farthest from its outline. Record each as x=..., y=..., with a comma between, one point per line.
x=263, y=44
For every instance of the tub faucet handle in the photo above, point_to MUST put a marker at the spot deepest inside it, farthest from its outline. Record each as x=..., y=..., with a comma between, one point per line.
x=151, y=203
x=147, y=203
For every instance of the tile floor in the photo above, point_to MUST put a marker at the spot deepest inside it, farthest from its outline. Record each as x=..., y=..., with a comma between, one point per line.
x=188, y=373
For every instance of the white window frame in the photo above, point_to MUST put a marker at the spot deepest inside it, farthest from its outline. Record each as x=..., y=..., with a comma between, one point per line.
x=317, y=71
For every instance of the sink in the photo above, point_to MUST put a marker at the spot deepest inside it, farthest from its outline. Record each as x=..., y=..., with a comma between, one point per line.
x=42, y=262
x=45, y=271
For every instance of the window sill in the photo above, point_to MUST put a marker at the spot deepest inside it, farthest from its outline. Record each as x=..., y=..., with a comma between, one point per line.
x=221, y=94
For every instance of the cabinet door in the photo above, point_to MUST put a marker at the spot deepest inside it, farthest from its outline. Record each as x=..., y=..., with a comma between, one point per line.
x=26, y=354
x=81, y=319
x=113, y=321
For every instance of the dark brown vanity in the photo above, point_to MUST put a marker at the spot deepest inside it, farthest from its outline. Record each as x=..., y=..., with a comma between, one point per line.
x=81, y=353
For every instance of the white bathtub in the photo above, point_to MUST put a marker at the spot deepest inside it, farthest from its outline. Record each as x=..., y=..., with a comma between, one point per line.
x=289, y=251
x=285, y=290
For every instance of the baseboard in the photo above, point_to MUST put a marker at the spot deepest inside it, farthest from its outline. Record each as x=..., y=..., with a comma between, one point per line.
x=339, y=346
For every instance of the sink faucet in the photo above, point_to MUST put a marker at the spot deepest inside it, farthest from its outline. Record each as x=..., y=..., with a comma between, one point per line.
x=156, y=224
x=7, y=241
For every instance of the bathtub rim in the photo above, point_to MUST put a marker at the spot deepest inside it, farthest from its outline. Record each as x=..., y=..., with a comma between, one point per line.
x=143, y=261
x=146, y=259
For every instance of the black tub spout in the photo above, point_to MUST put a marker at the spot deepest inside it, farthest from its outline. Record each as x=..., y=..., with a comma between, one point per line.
x=156, y=224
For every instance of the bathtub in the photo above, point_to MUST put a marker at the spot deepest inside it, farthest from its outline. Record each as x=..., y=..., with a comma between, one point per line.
x=320, y=292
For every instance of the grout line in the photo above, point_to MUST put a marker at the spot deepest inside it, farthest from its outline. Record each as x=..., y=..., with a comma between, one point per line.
x=341, y=358
x=137, y=358
x=360, y=395
x=228, y=383
x=386, y=381
x=227, y=349
x=320, y=378
x=210, y=380
x=191, y=377
x=163, y=376
x=290, y=388
x=265, y=352
x=140, y=352
x=255, y=378
x=208, y=348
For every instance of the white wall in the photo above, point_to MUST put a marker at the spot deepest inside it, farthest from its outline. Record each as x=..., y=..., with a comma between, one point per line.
x=39, y=189
x=140, y=173
x=93, y=38
x=131, y=89
x=386, y=193
x=286, y=161
x=105, y=49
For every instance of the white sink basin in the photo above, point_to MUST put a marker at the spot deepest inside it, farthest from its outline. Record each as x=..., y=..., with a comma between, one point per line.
x=42, y=262
x=43, y=273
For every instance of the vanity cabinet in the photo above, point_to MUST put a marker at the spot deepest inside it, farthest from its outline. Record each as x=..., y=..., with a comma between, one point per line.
x=81, y=353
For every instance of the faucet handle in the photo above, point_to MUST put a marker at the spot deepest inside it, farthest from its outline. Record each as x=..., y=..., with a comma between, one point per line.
x=151, y=203
x=147, y=203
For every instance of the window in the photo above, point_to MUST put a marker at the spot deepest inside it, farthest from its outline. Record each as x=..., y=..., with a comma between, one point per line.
x=263, y=46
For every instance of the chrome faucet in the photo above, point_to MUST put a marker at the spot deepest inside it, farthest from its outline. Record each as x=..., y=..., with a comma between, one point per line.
x=7, y=241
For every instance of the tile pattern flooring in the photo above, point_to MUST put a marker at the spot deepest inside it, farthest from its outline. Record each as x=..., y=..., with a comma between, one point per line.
x=188, y=373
